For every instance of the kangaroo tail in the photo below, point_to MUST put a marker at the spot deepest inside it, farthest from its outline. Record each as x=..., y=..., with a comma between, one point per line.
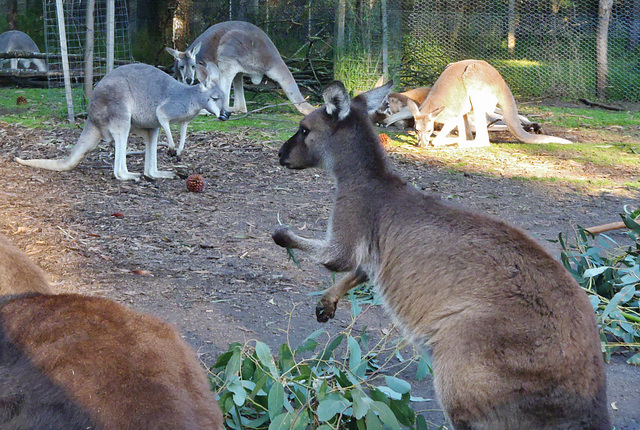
x=510, y=114
x=282, y=75
x=89, y=139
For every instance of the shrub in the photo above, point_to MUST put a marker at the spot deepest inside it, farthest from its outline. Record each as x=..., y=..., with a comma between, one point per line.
x=610, y=274
x=340, y=383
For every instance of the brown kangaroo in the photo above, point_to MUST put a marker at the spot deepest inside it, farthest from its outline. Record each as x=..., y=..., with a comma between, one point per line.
x=512, y=336
x=18, y=274
x=70, y=362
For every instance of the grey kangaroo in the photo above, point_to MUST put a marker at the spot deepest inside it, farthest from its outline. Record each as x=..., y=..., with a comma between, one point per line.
x=17, y=41
x=139, y=98
x=238, y=48
x=512, y=336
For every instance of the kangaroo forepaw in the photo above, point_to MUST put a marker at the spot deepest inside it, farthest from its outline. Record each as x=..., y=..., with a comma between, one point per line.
x=326, y=310
x=282, y=237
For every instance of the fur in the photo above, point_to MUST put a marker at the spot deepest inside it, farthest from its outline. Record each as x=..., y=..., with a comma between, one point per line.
x=238, y=48
x=140, y=99
x=18, y=274
x=17, y=41
x=462, y=87
x=513, y=337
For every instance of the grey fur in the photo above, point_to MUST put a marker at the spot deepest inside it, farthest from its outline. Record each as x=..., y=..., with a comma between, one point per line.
x=239, y=48
x=513, y=337
x=17, y=41
x=141, y=99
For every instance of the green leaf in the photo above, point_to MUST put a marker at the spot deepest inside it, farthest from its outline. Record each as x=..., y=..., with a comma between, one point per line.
x=233, y=366
x=372, y=421
x=333, y=404
x=301, y=421
x=635, y=360
x=421, y=423
x=239, y=393
x=328, y=351
x=385, y=414
x=621, y=296
x=275, y=400
x=310, y=342
x=361, y=403
x=398, y=385
x=282, y=421
x=266, y=359
x=325, y=427
x=285, y=358
x=590, y=273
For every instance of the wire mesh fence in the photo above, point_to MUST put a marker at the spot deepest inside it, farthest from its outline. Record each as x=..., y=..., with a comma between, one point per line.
x=73, y=28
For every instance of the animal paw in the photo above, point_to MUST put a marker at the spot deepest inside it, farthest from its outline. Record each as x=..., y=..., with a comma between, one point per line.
x=326, y=309
x=171, y=152
x=160, y=175
x=282, y=237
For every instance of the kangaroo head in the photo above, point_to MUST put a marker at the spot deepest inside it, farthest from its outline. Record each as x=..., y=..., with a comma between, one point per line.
x=184, y=67
x=209, y=77
x=424, y=122
x=329, y=131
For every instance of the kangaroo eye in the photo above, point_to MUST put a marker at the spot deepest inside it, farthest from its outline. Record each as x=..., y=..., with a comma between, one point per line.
x=304, y=131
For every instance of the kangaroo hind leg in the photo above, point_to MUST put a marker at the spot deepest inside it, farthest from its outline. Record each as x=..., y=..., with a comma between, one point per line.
x=120, y=134
x=151, y=157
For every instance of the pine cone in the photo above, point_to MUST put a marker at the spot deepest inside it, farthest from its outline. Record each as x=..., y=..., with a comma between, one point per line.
x=21, y=100
x=195, y=183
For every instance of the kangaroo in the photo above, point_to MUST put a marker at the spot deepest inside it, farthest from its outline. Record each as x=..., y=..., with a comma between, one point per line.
x=463, y=86
x=238, y=48
x=74, y=362
x=18, y=274
x=396, y=112
x=140, y=98
x=17, y=41
x=512, y=336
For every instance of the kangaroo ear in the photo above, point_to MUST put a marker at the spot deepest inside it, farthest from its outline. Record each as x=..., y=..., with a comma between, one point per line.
x=413, y=107
x=214, y=73
x=434, y=113
x=174, y=53
x=203, y=75
x=375, y=97
x=194, y=51
x=337, y=100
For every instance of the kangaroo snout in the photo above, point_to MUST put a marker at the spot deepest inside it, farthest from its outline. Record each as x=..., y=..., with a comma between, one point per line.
x=224, y=115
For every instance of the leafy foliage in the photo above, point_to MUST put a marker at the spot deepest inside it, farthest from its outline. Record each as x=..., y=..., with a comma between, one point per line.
x=610, y=273
x=340, y=383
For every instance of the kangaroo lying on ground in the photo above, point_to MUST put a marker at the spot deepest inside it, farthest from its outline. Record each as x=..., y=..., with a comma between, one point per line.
x=397, y=113
x=17, y=41
x=463, y=86
x=139, y=98
x=238, y=48
x=512, y=336
x=73, y=362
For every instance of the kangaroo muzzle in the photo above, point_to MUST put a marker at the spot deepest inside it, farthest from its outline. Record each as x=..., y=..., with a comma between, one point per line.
x=224, y=115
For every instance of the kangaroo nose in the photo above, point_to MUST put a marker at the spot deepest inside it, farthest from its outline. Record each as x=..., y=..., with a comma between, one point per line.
x=224, y=115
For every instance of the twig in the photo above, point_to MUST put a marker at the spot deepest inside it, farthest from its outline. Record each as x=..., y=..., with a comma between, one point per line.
x=607, y=227
x=601, y=105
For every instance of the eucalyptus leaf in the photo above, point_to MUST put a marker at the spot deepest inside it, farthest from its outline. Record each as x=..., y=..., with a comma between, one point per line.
x=398, y=385
x=275, y=400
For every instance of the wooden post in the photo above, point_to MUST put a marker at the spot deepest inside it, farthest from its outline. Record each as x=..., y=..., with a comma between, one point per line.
x=65, y=58
x=511, y=28
x=342, y=12
x=88, y=49
x=111, y=33
x=385, y=41
x=602, y=39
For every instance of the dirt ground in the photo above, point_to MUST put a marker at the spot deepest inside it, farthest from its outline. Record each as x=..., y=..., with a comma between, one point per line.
x=206, y=262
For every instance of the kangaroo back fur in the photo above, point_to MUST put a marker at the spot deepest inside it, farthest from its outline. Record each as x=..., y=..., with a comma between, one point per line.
x=74, y=362
x=238, y=48
x=18, y=274
x=17, y=41
x=140, y=99
x=512, y=336
x=463, y=86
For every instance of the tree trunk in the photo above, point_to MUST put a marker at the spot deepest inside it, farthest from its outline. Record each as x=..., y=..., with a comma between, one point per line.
x=180, y=24
x=511, y=28
x=12, y=14
x=634, y=30
x=602, y=36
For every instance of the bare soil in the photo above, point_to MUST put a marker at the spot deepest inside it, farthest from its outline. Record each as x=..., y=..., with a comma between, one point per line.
x=206, y=262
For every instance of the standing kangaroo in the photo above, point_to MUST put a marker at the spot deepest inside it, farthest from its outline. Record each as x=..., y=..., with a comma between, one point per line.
x=463, y=86
x=17, y=41
x=238, y=48
x=139, y=98
x=512, y=336
x=69, y=362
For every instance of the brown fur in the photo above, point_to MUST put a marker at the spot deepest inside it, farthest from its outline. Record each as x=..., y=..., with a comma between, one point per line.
x=463, y=86
x=18, y=274
x=74, y=362
x=513, y=337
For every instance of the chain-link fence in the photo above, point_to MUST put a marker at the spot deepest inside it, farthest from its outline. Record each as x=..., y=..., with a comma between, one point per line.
x=73, y=29
x=543, y=48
